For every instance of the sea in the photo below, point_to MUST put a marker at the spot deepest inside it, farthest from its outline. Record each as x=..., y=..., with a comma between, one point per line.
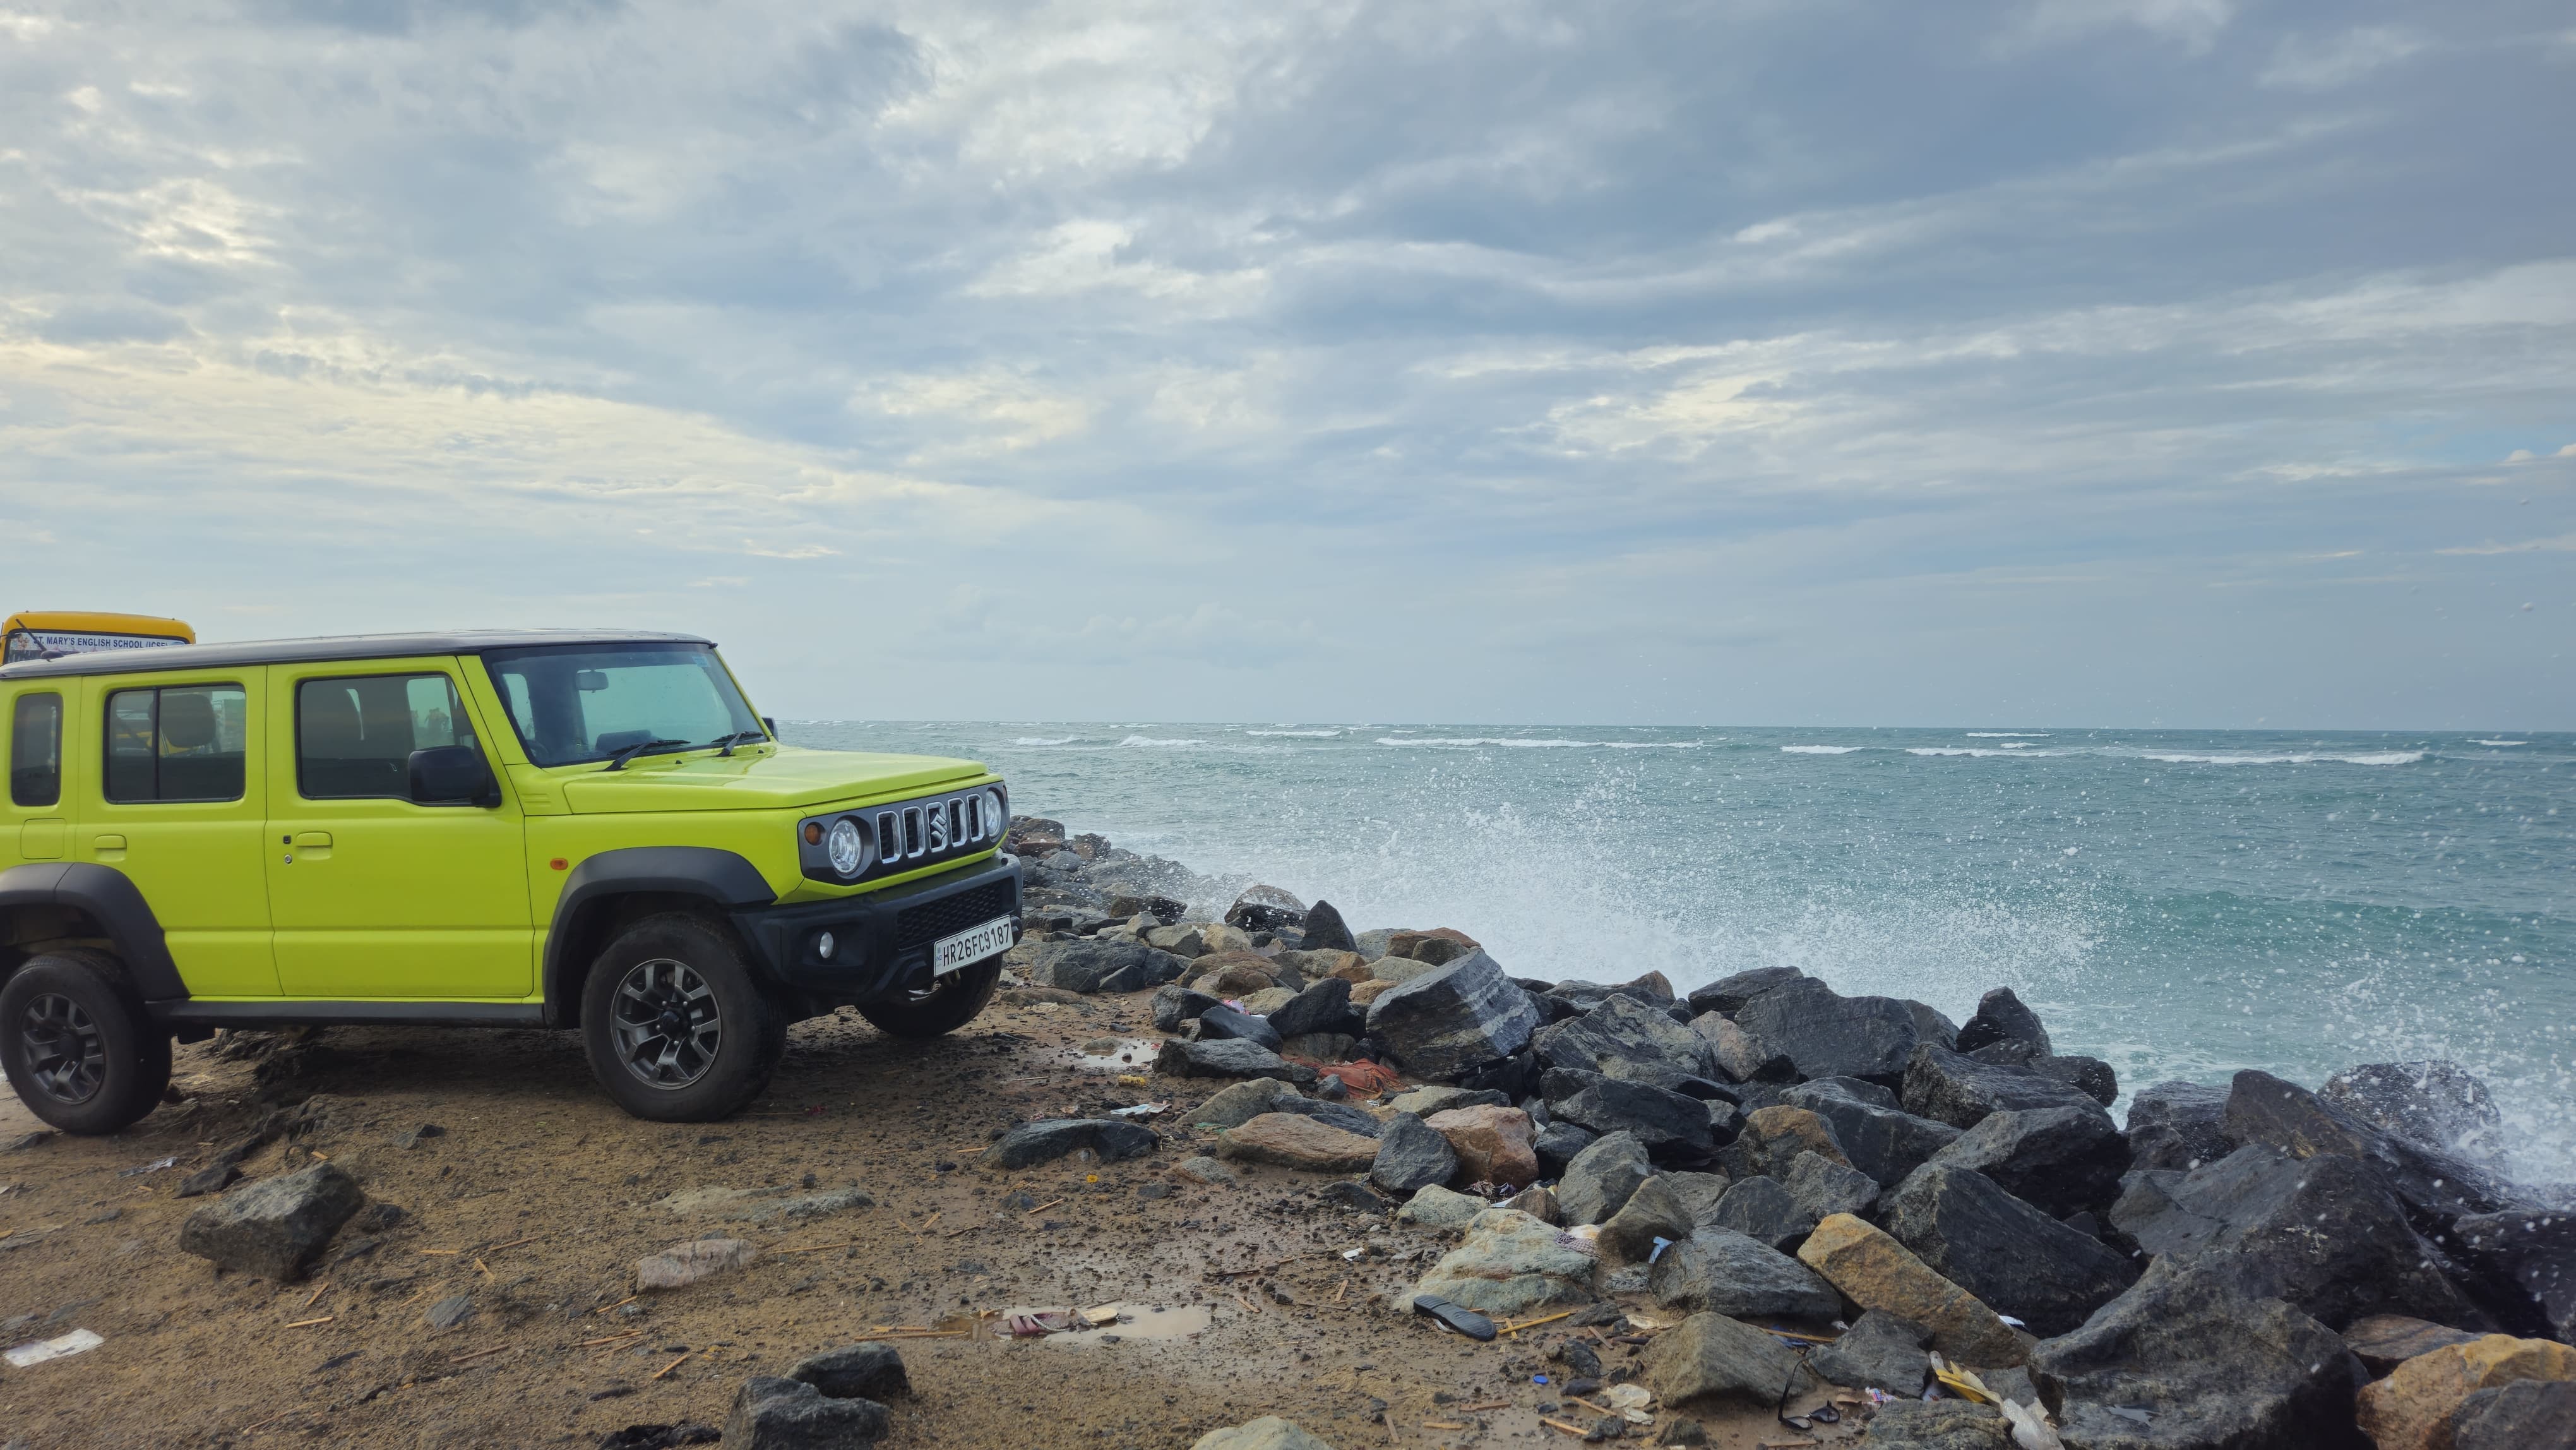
x=2182, y=904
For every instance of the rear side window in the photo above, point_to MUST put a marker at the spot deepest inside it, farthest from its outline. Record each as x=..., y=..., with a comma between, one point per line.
x=354, y=737
x=182, y=743
x=36, y=750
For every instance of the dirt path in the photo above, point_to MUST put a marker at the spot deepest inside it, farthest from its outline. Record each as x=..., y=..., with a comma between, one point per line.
x=537, y=1198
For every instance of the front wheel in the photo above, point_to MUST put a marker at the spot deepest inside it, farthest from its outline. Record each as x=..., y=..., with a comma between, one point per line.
x=951, y=1003
x=676, y=1029
x=77, y=1044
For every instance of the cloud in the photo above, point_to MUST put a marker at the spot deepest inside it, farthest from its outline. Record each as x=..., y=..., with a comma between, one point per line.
x=2562, y=544
x=2318, y=65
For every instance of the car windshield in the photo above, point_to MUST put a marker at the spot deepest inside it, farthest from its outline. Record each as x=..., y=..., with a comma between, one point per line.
x=589, y=702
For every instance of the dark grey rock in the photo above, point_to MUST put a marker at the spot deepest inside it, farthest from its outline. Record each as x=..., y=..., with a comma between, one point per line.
x=2436, y=1187
x=1325, y=931
x=1339, y=1114
x=2209, y=1365
x=1822, y=1187
x=2017, y=1259
x=1960, y=1091
x=1712, y=1357
x=1940, y=1425
x=2523, y=1415
x=788, y=1414
x=1411, y=1155
x=1625, y=1038
x=2001, y=1015
x=1105, y=966
x=1557, y=1143
x=1881, y=1139
x=1763, y=1209
x=1673, y=1126
x=1825, y=1034
x=275, y=1226
x=1227, y=1057
x=1601, y=1177
x=2434, y=1104
x=2322, y=1233
x=1880, y=1351
x=2059, y=1160
x=1266, y=908
x=1720, y=1271
x=1177, y=1005
x=2526, y=1253
x=1221, y=1022
x=449, y=1312
x=214, y=1178
x=1453, y=1020
x=2090, y=1076
x=1355, y=1197
x=1322, y=1007
x=2178, y=1125
x=1653, y=1212
x=1699, y=1192
x=1030, y=1144
x=1728, y=994
x=1931, y=1026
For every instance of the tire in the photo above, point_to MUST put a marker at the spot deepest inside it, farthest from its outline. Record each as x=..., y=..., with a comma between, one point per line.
x=77, y=1045
x=947, y=1006
x=715, y=1039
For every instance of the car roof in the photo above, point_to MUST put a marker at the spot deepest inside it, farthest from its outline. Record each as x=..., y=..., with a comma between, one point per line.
x=326, y=648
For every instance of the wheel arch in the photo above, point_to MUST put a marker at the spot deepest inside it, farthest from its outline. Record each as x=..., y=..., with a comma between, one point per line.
x=81, y=902
x=607, y=891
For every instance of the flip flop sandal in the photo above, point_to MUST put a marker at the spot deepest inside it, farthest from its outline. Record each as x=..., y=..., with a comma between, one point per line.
x=1466, y=1321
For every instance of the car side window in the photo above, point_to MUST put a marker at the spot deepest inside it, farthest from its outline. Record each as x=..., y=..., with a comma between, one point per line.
x=354, y=737
x=36, y=751
x=177, y=743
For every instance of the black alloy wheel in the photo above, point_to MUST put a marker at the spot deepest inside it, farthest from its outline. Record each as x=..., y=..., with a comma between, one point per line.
x=676, y=1027
x=77, y=1045
x=669, y=1027
x=65, y=1053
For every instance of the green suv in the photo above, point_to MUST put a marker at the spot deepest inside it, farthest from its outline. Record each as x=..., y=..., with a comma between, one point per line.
x=588, y=831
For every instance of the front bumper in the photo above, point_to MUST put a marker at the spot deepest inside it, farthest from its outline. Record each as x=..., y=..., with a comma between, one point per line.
x=881, y=940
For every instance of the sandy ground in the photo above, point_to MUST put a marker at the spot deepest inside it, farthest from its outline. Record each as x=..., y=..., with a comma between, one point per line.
x=540, y=1196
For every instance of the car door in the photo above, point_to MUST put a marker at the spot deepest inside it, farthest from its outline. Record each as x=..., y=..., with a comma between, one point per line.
x=38, y=825
x=376, y=896
x=171, y=792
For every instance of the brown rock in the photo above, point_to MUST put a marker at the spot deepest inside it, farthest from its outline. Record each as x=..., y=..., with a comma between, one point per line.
x=1233, y=975
x=1293, y=1141
x=1437, y=946
x=1365, y=992
x=2382, y=1342
x=1876, y=1272
x=1494, y=1144
x=1355, y=971
x=2411, y=1409
x=1772, y=1139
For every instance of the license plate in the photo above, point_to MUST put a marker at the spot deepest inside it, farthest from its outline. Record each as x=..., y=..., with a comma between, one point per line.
x=969, y=947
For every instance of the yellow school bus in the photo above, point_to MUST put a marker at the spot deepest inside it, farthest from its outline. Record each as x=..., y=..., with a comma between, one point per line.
x=51, y=634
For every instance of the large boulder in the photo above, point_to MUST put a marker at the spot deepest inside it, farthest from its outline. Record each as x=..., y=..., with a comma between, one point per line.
x=2382, y=1342
x=1675, y=1127
x=2524, y=1255
x=1325, y=931
x=1323, y=1007
x=1456, y=1019
x=1267, y=1433
x=2017, y=1259
x=1825, y=1034
x=2090, y=1076
x=1266, y=908
x=276, y=1226
x=1880, y=1351
x=1763, y=1209
x=2059, y=1160
x=1625, y=1038
x=1601, y=1177
x=1030, y=1144
x=1720, y=1271
x=1291, y=1140
x=2179, y=1125
x=1737, y=1056
x=1494, y=1144
x=1411, y=1156
x=2435, y=1104
x=1938, y=1425
x=1436, y=1207
x=1961, y=1091
x=2435, y=1186
x=2412, y=1408
x=2000, y=1017
x=1654, y=1212
x=1710, y=1357
x=1222, y=1022
x=1332, y=1114
x=1176, y=1006
x=1093, y=965
x=1240, y=1103
x=1699, y=1192
x=1729, y=994
x=855, y=1371
x=2524, y=1415
x=1771, y=1140
x=1878, y=1137
x=1876, y=1272
x=1227, y=1057
x=1822, y=1187
x=1511, y=1263
x=1556, y=1145
x=770, y=1413
x=2186, y=1361
x=2322, y=1233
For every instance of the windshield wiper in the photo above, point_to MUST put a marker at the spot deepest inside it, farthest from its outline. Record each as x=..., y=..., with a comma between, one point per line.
x=739, y=736
x=627, y=753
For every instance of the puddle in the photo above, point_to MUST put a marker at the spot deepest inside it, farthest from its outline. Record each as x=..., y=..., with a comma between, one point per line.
x=1136, y=1320
x=1118, y=1054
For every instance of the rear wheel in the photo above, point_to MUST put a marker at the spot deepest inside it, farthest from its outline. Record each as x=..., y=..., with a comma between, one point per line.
x=77, y=1045
x=951, y=1003
x=676, y=1028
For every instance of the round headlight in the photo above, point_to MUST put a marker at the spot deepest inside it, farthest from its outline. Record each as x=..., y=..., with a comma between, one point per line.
x=845, y=847
x=994, y=821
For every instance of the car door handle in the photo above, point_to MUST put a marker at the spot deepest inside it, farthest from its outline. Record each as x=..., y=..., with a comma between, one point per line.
x=312, y=840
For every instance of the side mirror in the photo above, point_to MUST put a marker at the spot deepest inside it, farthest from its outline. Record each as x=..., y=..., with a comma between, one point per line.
x=452, y=775
x=771, y=725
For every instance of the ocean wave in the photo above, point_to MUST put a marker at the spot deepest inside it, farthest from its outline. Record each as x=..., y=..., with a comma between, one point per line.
x=1477, y=741
x=1043, y=740
x=2007, y=752
x=1299, y=734
x=1821, y=749
x=1148, y=742
x=2499, y=742
x=2368, y=757
x=2005, y=734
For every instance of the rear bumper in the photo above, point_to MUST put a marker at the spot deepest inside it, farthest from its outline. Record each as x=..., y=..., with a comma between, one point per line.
x=880, y=940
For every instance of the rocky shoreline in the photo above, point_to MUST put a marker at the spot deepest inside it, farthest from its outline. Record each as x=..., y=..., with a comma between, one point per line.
x=1777, y=1188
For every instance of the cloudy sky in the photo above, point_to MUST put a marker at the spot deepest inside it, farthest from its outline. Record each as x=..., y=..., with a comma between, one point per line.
x=1744, y=361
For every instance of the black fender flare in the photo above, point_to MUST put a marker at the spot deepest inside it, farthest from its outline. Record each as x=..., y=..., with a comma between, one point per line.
x=110, y=898
x=723, y=878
